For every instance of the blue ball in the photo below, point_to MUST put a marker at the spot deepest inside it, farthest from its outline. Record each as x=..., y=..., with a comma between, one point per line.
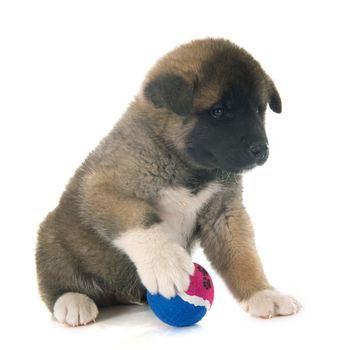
x=175, y=312
x=189, y=307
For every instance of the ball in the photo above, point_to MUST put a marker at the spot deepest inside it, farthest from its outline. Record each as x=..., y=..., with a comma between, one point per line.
x=187, y=308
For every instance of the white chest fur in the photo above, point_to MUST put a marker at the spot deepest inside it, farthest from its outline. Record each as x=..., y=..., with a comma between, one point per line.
x=178, y=209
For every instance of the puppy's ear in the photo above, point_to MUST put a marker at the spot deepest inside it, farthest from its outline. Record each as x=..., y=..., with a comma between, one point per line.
x=275, y=102
x=172, y=92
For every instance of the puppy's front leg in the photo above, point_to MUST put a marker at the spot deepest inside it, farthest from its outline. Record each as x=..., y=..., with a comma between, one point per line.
x=134, y=227
x=228, y=241
x=163, y=265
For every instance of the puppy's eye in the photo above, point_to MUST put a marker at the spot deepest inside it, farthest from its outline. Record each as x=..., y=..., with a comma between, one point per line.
x=217, y=112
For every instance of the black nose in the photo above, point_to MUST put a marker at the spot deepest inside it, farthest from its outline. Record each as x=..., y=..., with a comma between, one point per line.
x=260, y=151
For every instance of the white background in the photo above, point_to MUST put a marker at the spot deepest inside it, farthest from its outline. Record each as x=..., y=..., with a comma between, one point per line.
x=68, y=70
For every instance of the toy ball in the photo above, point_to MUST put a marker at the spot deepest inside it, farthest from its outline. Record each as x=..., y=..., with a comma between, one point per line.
x=187, y=308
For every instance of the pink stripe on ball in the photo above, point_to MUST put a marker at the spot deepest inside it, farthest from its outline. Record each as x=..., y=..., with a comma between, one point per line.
x=201, y=284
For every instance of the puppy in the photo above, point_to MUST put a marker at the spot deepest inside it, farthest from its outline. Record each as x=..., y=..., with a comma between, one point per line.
x=168, y=175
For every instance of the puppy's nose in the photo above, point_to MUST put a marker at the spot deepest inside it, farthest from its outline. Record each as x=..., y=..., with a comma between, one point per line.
x=260, y=151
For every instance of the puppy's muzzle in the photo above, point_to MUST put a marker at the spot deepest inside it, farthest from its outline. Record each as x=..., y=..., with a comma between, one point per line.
x=260, y=152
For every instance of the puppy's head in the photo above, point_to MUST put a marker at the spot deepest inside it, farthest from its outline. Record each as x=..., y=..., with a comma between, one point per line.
x=210, y=98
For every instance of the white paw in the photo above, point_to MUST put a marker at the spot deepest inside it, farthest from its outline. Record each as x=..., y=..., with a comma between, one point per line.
x=75, y=309
x=268, y=303
x=168, y=271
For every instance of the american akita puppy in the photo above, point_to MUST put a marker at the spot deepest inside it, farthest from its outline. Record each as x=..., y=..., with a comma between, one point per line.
x=167, y=175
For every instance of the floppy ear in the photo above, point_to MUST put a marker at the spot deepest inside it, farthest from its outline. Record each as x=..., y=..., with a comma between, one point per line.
x=275, y=102
x=172, y=92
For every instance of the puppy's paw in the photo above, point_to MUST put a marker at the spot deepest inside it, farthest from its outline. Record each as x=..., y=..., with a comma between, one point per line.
x=268, y=303
x=75, y=309
x=167, y=271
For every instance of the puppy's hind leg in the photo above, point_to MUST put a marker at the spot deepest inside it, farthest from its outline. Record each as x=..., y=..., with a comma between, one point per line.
x=67, y=292
x=75, y=309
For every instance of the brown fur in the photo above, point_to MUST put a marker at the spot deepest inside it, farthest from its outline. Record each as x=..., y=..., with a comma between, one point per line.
x=116, y=188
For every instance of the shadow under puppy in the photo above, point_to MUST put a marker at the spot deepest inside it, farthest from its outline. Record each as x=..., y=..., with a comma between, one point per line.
x=166, y=176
